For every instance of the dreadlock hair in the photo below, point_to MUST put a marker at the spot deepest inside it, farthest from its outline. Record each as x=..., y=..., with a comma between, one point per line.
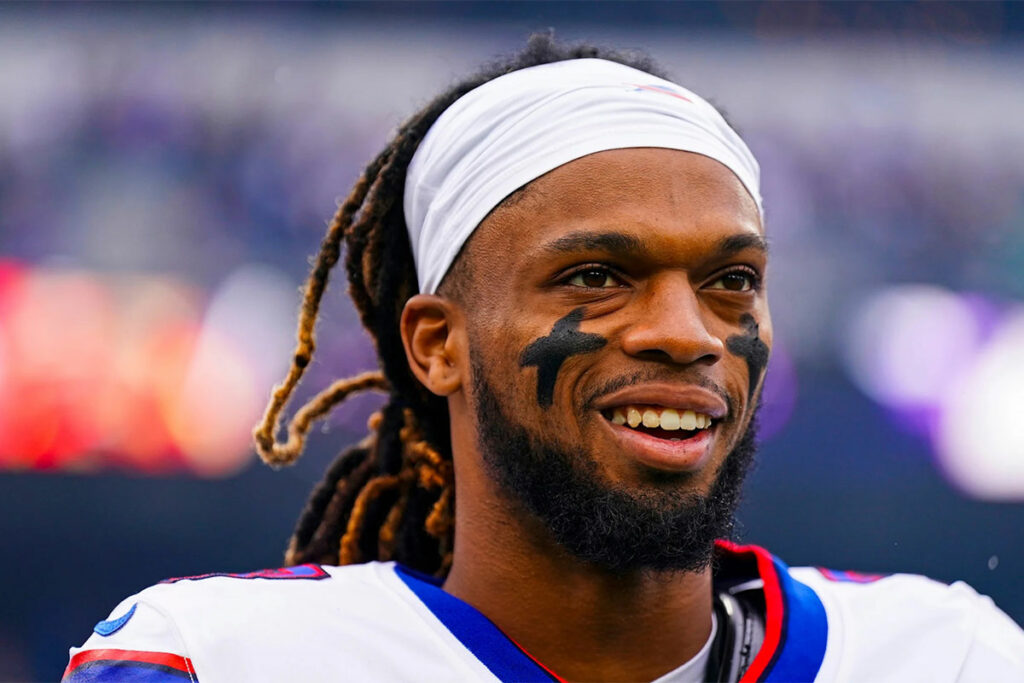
x=391, y=496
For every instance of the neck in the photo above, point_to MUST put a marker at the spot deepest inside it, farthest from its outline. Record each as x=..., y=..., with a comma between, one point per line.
x=580, y=621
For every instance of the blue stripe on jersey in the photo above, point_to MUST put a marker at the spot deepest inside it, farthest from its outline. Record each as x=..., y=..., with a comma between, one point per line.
x=804, y=631
x=104, y=671
x=478, y=633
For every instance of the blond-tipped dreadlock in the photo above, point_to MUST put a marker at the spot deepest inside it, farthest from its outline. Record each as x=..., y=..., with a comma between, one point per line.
x=392, y=495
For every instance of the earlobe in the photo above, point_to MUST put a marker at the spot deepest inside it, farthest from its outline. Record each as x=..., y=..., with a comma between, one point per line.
x=429, y=327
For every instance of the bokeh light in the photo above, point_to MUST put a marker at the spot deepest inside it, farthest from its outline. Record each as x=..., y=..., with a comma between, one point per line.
x=136, y=371
x=952, y=367
x=981, y=440
x=905, y=345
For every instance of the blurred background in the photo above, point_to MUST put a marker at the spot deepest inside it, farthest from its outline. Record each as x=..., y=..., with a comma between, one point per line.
x=166, y=171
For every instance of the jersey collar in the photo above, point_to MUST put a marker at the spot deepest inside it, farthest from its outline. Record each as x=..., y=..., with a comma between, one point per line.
x=499, y=653
x=796, y=627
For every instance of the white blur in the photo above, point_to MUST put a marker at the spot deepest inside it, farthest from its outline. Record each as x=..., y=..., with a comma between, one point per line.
x=906, y=344
x=923, y=348
x=981, y=439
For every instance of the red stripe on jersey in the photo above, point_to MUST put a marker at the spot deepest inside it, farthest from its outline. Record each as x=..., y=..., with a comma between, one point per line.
x=535, y=660
x=774, y=608
x=162, y=658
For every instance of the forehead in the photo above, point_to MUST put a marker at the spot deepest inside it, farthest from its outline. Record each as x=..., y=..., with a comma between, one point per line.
x=672, y=200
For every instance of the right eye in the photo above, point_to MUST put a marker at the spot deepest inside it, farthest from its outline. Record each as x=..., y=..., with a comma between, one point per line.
x=594, y=278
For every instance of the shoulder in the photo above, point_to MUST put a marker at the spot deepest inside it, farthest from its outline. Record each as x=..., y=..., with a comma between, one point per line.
x=213, y=626
x=910, y=627
x=263, y=588
x=873, y=594
x=243, y=601
x=895, y=598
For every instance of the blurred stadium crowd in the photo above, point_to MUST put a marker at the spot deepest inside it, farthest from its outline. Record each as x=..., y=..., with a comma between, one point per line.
x=165, y=175
x=160, y=189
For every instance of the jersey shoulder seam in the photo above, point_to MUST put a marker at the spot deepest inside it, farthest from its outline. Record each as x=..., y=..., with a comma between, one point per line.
x=178, y=634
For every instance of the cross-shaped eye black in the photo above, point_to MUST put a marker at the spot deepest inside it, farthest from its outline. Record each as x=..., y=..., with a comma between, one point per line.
x=548, y=353
x=749, y=347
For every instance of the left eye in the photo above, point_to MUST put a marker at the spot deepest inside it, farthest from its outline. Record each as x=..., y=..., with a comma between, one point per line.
x=593, y=278
x=734, y=282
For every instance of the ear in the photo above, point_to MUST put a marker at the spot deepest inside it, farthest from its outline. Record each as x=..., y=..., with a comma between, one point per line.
x=431, y=333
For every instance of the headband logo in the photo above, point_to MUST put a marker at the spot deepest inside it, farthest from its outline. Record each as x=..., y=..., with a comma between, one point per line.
x=663, y=89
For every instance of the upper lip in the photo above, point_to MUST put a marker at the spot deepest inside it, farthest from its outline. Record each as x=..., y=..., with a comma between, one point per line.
x=680, y=397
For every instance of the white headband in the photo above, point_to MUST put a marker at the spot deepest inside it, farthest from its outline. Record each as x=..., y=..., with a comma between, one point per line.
x=514, y=129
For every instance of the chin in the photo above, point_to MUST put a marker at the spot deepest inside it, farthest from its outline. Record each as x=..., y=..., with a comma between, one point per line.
x=609, y=523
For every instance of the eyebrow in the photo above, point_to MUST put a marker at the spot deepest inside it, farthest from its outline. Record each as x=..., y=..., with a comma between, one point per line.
x=737, y=243
x=616, y=242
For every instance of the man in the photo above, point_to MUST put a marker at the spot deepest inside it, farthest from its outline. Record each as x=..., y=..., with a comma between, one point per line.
x=562, y=265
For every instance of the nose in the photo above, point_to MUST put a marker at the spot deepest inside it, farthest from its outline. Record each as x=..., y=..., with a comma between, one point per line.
x=669, y=326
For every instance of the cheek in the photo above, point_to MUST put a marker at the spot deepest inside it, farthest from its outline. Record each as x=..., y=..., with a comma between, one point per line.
x=496, y=354
x=547, y=355
x=496, y=358
x=749, y=346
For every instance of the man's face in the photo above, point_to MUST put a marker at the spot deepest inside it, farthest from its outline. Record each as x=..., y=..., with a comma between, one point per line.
x=624, y=285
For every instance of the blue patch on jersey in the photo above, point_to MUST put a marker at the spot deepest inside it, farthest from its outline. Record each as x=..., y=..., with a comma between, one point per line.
x=111, y=626
x=302, y=571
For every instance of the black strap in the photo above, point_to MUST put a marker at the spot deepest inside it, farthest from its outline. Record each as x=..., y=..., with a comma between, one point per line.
x=740, y=613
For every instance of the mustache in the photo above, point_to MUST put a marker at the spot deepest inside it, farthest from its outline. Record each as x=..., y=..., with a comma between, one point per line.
x=653, y=375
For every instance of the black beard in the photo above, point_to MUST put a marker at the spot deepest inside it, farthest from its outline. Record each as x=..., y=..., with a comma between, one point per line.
x=614, y=528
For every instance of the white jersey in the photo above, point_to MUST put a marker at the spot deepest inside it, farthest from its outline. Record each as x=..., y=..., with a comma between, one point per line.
x=383, y=622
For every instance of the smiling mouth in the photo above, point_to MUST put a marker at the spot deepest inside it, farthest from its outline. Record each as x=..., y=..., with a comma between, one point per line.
x=660, y=422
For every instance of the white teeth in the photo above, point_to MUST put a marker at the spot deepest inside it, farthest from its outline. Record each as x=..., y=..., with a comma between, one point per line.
x=668, y=419
x=633, y=417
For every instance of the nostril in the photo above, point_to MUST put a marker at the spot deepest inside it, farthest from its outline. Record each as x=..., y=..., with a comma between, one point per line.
x=679, y=342
x=658, y=355
x=664, y=356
